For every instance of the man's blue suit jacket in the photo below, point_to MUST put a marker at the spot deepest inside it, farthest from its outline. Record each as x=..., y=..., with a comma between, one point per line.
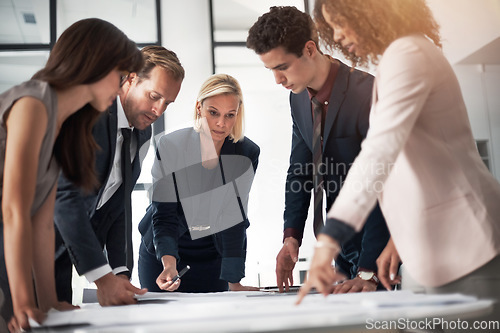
x=346, y=125
x=83, y=229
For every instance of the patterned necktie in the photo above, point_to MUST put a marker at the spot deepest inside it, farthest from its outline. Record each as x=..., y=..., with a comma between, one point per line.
x=317, y=160
x=127, y=184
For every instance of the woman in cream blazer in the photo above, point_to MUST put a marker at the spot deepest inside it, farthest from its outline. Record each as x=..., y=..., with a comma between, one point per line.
x=419, y=159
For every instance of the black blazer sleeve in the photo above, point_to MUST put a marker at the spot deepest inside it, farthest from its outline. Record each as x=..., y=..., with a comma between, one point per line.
x=73, y=223
x=298, y=182
x=74, y=208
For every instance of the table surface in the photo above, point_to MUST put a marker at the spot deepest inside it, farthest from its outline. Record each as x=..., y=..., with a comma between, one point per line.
x=264, y=312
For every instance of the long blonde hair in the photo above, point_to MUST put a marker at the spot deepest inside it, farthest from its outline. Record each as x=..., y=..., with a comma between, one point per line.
x=220, y=84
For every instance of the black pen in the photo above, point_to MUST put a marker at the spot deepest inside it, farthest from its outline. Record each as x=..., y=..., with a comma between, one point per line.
x=181, y=273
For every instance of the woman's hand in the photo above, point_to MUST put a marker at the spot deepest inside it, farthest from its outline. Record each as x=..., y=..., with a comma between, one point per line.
x=239, y=287
x=388, y=266
x=322, y=275
x=164, y=280
x=64, y=306
x=19, y=321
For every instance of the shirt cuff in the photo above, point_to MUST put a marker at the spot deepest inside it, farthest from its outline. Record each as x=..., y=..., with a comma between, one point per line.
x=119, y=270
x=295, y=233
x=97, y=273
x=338, y=230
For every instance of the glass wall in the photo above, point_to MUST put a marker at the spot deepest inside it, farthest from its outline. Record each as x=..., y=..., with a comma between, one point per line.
x=137, y=19
x=24, y=22
x=29, y=27
x=26, y=27
x=269, y=124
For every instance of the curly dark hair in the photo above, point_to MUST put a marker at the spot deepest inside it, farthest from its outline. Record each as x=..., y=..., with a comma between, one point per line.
x=283, y=26
x=377, y=23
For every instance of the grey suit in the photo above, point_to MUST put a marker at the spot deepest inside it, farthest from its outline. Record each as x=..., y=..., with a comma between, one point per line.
x=82, y=231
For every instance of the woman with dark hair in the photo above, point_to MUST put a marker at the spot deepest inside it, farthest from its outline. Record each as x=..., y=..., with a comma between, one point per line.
x=439, y=199
x=46, y=126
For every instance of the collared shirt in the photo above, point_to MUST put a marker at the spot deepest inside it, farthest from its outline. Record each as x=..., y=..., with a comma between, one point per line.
x=115, y=176
x=113, y=183
x=323, y=96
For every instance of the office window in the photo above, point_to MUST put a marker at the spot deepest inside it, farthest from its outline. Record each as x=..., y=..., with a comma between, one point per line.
x=17, y=67
x=137, y=19
x=482, y=147
x=28, y=28
x=269, y=124
x=233, y=18
x=24, y=22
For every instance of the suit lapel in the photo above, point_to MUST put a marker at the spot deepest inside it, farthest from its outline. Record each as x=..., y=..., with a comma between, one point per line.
x=137, y=161
x=336, y=99
x=304, y=116
x=112, y=133
x=228, y=148
x=106, y=139
x=142, y=137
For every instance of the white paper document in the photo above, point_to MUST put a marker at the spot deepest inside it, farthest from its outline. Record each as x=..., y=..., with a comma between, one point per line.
x=259, y=311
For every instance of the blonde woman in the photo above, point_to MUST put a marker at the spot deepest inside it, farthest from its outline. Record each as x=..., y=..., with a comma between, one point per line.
x=202, y=178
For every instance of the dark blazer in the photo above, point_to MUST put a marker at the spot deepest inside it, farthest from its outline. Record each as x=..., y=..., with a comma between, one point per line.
x=83, y=229
x=346, y=125
x=165, y=222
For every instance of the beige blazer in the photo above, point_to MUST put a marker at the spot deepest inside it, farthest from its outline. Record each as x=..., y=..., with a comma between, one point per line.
x=420, y=161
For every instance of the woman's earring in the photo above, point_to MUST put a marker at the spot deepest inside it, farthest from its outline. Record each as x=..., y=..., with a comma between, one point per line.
x=197, y=121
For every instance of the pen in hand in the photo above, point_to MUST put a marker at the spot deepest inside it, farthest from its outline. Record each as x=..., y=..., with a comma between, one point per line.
x=181, y=273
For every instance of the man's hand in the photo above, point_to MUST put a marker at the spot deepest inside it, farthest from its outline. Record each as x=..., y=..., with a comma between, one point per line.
x=388, y=266
x=164, y=280
x=354, y=286
x=239, y=287
x=285, y=263
x=114, y=290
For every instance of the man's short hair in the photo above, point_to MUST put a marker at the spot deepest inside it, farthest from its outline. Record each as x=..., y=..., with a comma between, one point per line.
x=283, y=26
x=155, y=55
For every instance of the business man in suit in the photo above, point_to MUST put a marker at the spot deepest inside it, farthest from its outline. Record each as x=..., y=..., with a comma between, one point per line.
x=87, y=223
x=286, y=41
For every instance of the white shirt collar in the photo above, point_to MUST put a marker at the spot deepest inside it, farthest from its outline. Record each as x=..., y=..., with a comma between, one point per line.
x=122, y=118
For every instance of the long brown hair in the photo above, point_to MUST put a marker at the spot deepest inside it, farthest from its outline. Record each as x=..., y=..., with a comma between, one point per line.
x=85, y=53
x=377, y=23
